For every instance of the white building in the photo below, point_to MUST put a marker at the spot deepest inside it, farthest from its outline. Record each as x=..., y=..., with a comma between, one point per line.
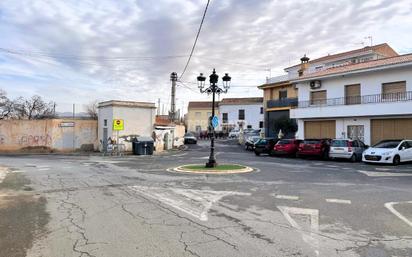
x=368, y=100
x=138, y=117
x=241, y=112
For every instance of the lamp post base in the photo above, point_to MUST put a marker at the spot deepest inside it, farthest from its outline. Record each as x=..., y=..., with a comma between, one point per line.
x=211, y=164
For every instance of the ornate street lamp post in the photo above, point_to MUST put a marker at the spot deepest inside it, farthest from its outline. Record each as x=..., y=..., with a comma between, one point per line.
x=213, y=89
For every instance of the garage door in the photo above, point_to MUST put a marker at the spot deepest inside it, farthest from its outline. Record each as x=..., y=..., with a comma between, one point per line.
x=390, y=129
x=320, y=129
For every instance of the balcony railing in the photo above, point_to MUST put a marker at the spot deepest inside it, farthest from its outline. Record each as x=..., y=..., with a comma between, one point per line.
x=284, y=102
x=352, y=100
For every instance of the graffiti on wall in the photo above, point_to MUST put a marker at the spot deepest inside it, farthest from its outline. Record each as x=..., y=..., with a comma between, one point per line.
x=35, y=140
x=2, y=139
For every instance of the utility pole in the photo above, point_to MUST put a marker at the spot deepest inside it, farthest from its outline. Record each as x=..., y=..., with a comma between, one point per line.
x=172, y=113
x=158, y=106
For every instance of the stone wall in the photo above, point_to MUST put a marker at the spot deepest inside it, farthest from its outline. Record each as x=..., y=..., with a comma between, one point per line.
x=46, y=135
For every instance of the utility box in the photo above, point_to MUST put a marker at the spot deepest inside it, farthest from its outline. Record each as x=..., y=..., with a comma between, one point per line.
x=143, y=146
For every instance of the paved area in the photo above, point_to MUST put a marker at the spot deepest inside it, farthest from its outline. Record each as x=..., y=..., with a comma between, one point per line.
x=132, y=206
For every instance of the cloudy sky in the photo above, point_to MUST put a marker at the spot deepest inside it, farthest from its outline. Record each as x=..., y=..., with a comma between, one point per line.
x=77, y=51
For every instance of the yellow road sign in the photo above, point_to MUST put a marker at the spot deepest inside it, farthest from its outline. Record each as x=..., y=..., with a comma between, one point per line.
x=118, y=124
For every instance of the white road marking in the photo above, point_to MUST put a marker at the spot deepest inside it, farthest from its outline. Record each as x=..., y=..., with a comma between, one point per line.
x=332, y=200
x=193, y=202
x=382, y=169
x=384, y=174
x=390, y=205
x=308, y=237
x=3, y=173
x=287, y=197
x=43, y=169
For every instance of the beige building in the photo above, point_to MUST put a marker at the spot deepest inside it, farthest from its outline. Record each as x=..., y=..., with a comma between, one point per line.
x=198, y=114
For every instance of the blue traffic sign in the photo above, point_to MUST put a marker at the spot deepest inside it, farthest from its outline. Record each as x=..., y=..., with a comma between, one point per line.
x=215, y=121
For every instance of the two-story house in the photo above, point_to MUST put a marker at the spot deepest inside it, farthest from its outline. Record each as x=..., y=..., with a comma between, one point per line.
x=244, y=112
x=369, y=100
x=197, y=117
x=279, y=96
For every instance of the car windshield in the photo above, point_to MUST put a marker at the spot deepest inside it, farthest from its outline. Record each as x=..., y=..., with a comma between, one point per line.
x=340, y=143
x=188, y=135
x=388, y=144
x=285, y=142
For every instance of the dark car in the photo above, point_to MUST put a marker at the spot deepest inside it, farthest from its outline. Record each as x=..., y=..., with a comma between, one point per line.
x=314, y=147
x=265, y=145
x=189, y=138
x=287, y=147
x=250, y=142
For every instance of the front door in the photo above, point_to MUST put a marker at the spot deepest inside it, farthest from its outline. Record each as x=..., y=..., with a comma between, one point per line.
x=356, y=132
x=104, y=140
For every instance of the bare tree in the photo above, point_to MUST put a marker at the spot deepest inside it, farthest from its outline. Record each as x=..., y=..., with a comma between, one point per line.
x=91, y=109
x=6, y=106
x=34, y=108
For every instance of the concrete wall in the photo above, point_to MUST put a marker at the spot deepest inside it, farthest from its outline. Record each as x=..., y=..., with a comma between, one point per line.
x=17, y=135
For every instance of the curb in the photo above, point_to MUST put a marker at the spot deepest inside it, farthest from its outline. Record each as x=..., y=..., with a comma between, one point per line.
x=217, y=172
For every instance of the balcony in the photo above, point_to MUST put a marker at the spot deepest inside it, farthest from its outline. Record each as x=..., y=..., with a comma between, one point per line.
x=367, y=105
x=285, y=102
x=351, y=100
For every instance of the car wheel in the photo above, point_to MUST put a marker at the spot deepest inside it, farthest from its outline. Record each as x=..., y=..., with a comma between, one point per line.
x=257, y=153
x=396, y=160
x=353, y=158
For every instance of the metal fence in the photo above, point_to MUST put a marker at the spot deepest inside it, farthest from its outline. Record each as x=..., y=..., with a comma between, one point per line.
x=352, y=100
x=285, y=102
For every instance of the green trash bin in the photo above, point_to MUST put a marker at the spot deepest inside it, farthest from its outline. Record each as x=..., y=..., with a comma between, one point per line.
x=143, y=146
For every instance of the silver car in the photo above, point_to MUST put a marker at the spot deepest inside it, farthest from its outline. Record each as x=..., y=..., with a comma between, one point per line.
x=347, y=149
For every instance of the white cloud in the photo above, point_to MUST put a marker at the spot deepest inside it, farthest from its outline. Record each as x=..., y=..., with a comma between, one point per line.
x=242, y=37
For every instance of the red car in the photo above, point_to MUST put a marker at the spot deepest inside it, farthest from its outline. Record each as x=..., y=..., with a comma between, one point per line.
x=314, y=147
x=287, y=147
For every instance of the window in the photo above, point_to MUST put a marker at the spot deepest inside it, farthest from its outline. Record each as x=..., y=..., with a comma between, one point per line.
x=260, y=124
x=318, y=97
x=352, y=94
x=241, y=115
x=394, y=90
x=224, y=117
x=105, y=123
x=283, y=94
x=356, y=132
x=261, y=110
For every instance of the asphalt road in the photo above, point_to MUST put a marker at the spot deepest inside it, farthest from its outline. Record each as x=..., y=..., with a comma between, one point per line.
x=55, y=205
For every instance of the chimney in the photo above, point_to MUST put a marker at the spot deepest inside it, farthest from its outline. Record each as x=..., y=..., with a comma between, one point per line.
x=304, y=65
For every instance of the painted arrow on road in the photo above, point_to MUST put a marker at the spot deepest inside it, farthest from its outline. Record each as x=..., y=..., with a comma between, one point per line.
x=196, y=203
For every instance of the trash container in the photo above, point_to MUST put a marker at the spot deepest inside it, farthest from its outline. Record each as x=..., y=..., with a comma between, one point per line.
x=143, y=146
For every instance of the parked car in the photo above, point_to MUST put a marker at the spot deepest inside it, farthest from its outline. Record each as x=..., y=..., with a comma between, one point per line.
x=287, y=147
x=347, y=149
x=189, y=138
x=314, y=147
x=389, y=151
x=234, y=133
x=265, y=145
x=250, y=143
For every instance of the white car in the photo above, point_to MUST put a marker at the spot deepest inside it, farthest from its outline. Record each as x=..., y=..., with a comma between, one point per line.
x=389, y=151
x=234, y=133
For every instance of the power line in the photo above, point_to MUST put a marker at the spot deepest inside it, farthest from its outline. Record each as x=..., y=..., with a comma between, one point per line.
x=87, y=58
x=194, y=45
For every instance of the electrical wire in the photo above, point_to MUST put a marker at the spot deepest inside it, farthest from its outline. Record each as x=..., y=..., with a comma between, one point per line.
x=194, y=44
